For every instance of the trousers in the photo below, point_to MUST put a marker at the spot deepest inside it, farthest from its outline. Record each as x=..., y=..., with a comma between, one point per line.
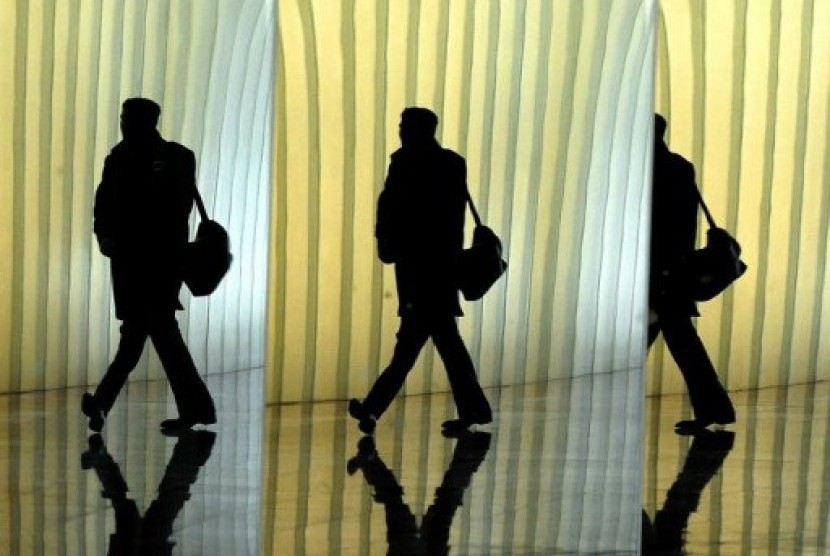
x=415, y=330
x=706, y=394
x=192, y=397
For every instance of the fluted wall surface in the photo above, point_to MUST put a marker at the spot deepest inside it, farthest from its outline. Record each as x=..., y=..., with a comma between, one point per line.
x=745, y=86
x=549, y=102
x=66, y=67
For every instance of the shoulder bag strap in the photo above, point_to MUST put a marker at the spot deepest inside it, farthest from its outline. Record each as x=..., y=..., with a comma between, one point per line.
x=473, y=208
x=705, y=209
x=199, y=204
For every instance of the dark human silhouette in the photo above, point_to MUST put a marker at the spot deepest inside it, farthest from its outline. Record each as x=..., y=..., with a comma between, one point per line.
x=142, y=206
x=665, y=535
x=671, y=306
x=404, y=535
x=420, y=229
x=149, y=535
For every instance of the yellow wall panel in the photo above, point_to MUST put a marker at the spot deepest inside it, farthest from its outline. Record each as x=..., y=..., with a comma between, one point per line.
x=538, y=96
x=744, y=87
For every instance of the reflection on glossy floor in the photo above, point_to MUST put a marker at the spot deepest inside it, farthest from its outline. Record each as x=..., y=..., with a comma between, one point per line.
x=65, y=492
x=558, y=473
x=761, y=487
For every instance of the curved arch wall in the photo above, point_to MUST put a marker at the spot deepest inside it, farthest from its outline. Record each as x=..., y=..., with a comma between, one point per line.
x=549, y=101
x=551, y=104
x=66, y=67
x=745, y=86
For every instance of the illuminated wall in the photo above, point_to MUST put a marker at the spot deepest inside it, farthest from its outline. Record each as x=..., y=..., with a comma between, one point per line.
x=745, y=86
x=551, y=104
x=66, y=67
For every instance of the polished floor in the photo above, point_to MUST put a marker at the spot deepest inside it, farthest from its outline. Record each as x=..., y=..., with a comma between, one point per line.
x=559, y=472
x=131, y=490
x=759, y=487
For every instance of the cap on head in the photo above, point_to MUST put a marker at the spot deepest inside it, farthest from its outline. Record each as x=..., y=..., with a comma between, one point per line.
x=141, y=111
x=418, y=125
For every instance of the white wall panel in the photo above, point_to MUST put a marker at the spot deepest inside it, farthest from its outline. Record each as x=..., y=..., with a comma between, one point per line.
x=67, y=66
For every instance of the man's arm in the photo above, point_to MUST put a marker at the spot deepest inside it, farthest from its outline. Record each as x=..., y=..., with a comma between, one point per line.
x=385, y=229
x=104, y=211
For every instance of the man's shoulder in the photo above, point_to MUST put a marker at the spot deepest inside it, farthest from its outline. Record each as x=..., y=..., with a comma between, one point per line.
x=674, y=166
x=679, y=163
x=170, y=148
x=452, y=157
x=176, y=149
x=119, y=149
x=444, y=153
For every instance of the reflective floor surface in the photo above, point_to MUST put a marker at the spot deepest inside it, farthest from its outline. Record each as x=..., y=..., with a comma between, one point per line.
x=558, y=472
x=131, y=490
x=759, y=487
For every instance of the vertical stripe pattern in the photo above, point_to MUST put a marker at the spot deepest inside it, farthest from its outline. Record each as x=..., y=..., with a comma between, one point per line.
x=745, y=87
x=67, y=68
x=769, y=496
x=53, y=502
x=549, y=102
x=568, y=483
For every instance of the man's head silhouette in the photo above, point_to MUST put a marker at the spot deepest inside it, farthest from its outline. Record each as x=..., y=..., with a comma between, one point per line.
x=418, y=127
x=139, y=118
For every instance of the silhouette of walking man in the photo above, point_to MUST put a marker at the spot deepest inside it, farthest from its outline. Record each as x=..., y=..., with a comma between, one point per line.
x=420, y=228
x=141, y=221
x=671, y=306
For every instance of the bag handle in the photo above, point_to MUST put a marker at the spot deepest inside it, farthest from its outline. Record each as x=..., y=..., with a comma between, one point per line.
x=705, y=209
x=473, y=208
x=199, y=204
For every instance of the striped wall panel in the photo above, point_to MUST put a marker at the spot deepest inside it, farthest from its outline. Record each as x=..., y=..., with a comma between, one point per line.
x=745, y=86
x=550, y=103
x=67, y=66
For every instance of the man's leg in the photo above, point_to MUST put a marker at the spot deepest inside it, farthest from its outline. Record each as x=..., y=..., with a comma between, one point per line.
x=412, y=336
x=710, y=401
x=470, y=401
x=192, y=396
x=130, y=347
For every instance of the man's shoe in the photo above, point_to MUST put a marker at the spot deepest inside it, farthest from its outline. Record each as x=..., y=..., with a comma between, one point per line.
x=694, y=426
x=365, y=421
x=181, y=424
x=93, y=411
x=456, y=427
x=176, y=425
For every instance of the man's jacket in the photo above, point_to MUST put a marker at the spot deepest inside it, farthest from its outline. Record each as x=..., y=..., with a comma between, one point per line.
x=142, y=206
x=420, y=227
